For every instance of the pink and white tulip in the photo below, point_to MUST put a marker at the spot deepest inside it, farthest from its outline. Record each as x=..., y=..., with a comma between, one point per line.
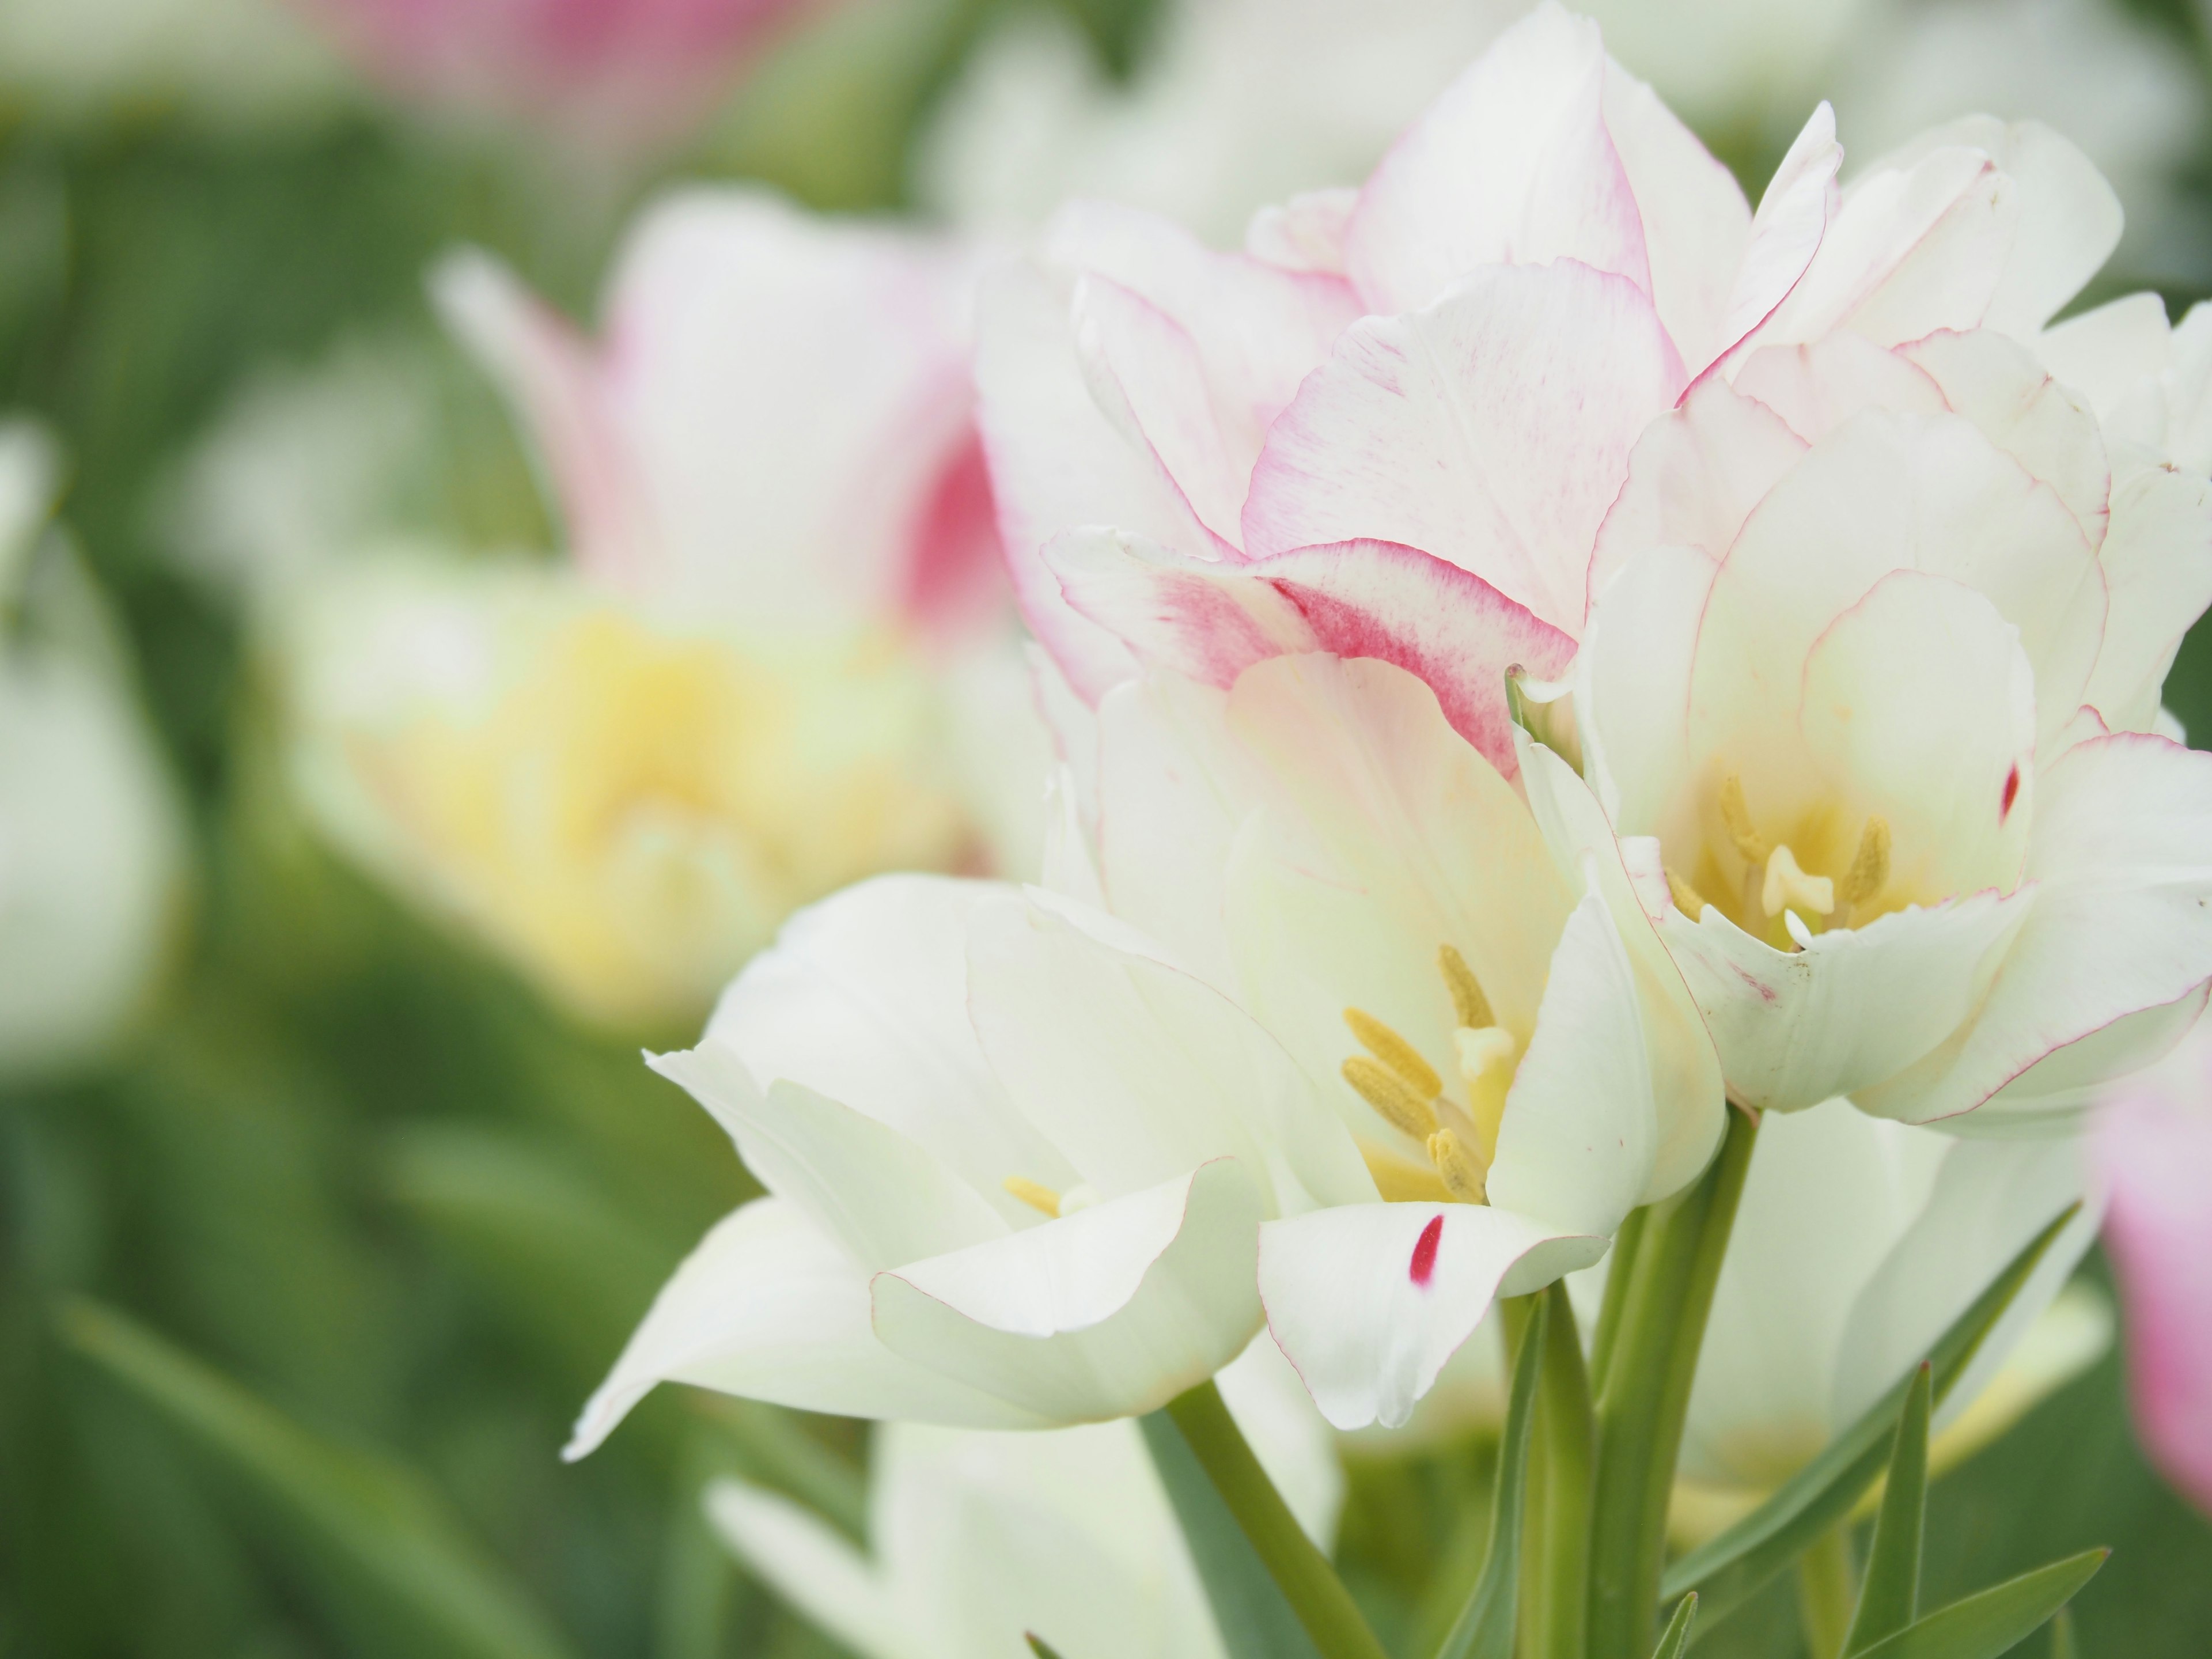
x=2154, y=1144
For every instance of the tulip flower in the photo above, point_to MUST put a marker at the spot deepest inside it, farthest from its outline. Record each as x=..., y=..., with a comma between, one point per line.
x=2154, y=1142
x=92, y=839
x=977, y=1539
x=776, y=659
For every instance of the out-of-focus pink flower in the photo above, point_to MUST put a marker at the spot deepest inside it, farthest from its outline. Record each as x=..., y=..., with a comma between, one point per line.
x=633, y=73
x=2154, y=1143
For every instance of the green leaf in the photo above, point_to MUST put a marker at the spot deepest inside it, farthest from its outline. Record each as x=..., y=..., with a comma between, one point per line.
x=374, y=1520
x=1985, y=1625
x=1039, y=1646
x=1485, y=1629
x=1889, y=1599
x=2063, y=1645
x=1730, y=1568
x=1676, y=1636
x=1255, y=1620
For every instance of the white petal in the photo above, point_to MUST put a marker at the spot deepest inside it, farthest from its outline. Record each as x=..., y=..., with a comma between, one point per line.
x=1367, y=1335
x=1793, y=215
x=809, y=1565
x=1491, y=431
x=770, y=1307
x=1110, y=1312
x=2157, y=558
x=1818, y=386
x=1512, y=163
x=2106, y=353
x=1632, y=684
x=2121, y=855
x=2070, y=219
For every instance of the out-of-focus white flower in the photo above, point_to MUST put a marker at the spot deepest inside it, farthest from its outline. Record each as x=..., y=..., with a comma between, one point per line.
x=92, y=840
x=777, y=658
x=221, y=64
x=978, y=1538
x=2153, y=1139
x=1856, y=1243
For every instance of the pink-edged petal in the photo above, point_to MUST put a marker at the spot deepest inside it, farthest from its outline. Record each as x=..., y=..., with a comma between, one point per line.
x=1694, y=477
x=1997, y=383
x=1696, y=223
x=2157, y=558
x=2153, y=1147
x=551, y=375
x=1306, y=233
x=1854, y=1007
x=770, y=1307
x=1110, y=1312
x=1511, y=165
x=2107, y=353
x=1687, y=1098
x=1818, y=386
x=1793, y=215
x=1211, y=621
x=1491, y=431
x=2053, y=1095
x=2122, y=856
x=1368, y=1301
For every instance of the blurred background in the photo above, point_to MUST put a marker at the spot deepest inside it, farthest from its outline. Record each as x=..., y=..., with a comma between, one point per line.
x=321, y=1213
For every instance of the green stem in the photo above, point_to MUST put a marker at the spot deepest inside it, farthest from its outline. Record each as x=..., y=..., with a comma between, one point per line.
x=1824, y=1592
x=1300, y=1570
x=1620, y=1267
x=1646, y=1396
x=1558, y=1602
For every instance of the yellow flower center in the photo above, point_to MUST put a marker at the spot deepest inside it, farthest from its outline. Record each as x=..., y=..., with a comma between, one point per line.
x=1787, y=889
x=1459, y=1137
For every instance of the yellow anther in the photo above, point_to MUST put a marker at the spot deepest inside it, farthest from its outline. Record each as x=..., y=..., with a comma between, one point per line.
x=1394, y=1052
x=1788, y=888
x=1687, y=899
x=1469, y=1007
x=1737, y=817
x=1037, y=1196
x=1392, y=1096
x=1486, y=1062
x=1869, y=869
x=1458, y=1167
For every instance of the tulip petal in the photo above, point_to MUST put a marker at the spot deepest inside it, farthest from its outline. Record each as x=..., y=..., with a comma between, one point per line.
x=1369, y=1301
x=1793, y=215
x=2157, y=558
x=1817, y=387
x=1210, y=622
x=809, y=1563
x=1110, y=1312
x=2106, y=353
x=1511, y=164
x=770, y=1307
x=2121, y=855
x=1491, y=431
x=2069, y=217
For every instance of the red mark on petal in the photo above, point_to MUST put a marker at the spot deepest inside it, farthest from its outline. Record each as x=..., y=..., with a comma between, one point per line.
x=1425, y=1250
x=2011, y=793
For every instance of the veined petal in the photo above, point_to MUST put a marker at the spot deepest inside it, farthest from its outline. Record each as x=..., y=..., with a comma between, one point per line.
x=1511, y=165
x=1369, y=1300
x=1210, y=621
x=1633, y=683
x=1818, y=386
x=770, y=1307
x=1785, y=233
x=1110, y=1312
x=2157, y=558
x=2122, y=853
x=2107, y=353
x=1491, y=431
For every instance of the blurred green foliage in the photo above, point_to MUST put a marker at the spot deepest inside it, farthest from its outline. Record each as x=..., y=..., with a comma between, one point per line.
x=297, y=1297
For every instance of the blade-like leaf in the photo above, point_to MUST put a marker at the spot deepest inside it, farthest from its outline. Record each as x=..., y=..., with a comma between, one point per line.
x=1039, y=1646
x=1985, y=1625
x=375, y=1522
x=1889, y=1599
x=2061, y=1634
x=1254, y=1620
x=1676, y=1636
x=1484, y=1627
x=1730, y=1568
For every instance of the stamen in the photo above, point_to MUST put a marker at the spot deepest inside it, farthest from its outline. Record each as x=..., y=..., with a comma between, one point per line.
x=1394, y=1052
x=1460, y=1170
x=1469, y=1007
x=1037, y=1196
x=1486, y=1066
x=1687, y=899
x=1870, y=866
x=1788, y=887
x=1392, y=1096
x=1081, y=1196
x=1737, y=817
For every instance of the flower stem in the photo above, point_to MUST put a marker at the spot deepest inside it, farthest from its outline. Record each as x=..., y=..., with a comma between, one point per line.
x=1559, y=1538
x=1300, y=1570
x=1824, y=1592
x=1646, y=1395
